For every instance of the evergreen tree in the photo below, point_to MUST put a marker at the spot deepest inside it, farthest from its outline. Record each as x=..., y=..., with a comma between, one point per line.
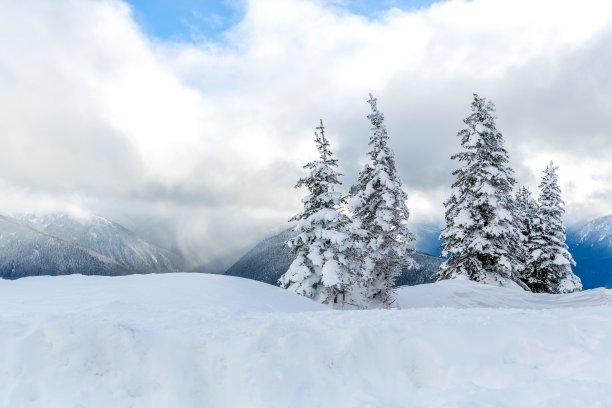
x=527, y=214
x=481, y=238
x=381, y=240
x=321, y=269
x=552, y=272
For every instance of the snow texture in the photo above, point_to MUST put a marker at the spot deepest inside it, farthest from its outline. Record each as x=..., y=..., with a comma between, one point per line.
x=194, y=340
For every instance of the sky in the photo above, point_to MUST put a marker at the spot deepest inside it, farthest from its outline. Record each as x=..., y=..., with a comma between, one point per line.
x=198, y=21
x=189, y=121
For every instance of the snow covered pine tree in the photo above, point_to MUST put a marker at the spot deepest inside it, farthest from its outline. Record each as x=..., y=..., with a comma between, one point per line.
x=482, y=237
x=320, y=270
x=553, y=262
x=382, y=242
x=527, y=214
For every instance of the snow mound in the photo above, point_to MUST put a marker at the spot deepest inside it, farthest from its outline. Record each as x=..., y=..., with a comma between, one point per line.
x=469, y=294
x=191, y=340
x=168, y=294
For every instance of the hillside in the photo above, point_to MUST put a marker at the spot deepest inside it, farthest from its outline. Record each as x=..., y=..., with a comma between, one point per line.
x=25, y=251
x=196, y=340
x=268, y=260
x=61, y=244
x=109, y=239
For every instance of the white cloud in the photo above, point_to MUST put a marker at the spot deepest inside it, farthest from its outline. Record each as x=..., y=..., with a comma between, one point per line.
x=211, y=137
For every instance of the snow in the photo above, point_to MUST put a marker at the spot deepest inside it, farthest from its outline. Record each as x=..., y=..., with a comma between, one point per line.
x=171, y=293
x=464, y=294
x=194, y=340
x=331, y=273
x=464, y=218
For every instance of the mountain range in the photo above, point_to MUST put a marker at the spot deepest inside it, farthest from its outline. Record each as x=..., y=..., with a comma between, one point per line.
x=590, y=244
x=61, y=244
x=269, y=259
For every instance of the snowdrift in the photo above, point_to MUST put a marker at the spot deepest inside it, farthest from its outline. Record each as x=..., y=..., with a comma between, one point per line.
x=468, y=294
x=190, y=340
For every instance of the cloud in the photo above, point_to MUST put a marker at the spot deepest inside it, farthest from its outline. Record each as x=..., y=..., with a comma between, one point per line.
x=204, y=141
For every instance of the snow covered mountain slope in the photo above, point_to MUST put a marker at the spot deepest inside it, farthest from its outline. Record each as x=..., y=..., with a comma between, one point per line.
x=25, y=251
x=196, y=340
x=597, y=231
x=108, y=239
x=268, y=260
x=591, y=246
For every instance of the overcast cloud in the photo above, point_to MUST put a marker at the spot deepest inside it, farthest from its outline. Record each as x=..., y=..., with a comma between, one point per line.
x=201, y=144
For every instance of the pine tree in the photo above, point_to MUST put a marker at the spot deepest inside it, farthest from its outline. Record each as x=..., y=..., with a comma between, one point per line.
x=320, y=270
x=552, y=272
x=527, y=214
x=481, y=238
x=381, y=240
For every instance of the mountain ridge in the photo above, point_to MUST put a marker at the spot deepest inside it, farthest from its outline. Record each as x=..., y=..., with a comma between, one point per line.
x=59, y=244
x=269, y=259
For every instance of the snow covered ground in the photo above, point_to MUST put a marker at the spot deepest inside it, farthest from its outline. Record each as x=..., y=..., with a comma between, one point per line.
x=190, y=340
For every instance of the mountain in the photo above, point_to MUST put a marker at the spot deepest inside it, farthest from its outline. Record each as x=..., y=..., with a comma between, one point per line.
x=109, y=239
x=60, y=244
x=591, y=246
x=25, y=251
x=268, y=260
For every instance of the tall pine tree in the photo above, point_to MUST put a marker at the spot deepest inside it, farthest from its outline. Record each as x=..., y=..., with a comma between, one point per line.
x=481, y=238
x=553, y=262
x=527, y=214
x=382, y=241
x=320, y=270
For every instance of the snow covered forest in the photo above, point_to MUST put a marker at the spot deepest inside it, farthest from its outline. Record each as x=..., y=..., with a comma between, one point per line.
x=349, y=249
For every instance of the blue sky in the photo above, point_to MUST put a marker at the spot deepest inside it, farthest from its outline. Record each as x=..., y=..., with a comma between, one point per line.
x=194, y=20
